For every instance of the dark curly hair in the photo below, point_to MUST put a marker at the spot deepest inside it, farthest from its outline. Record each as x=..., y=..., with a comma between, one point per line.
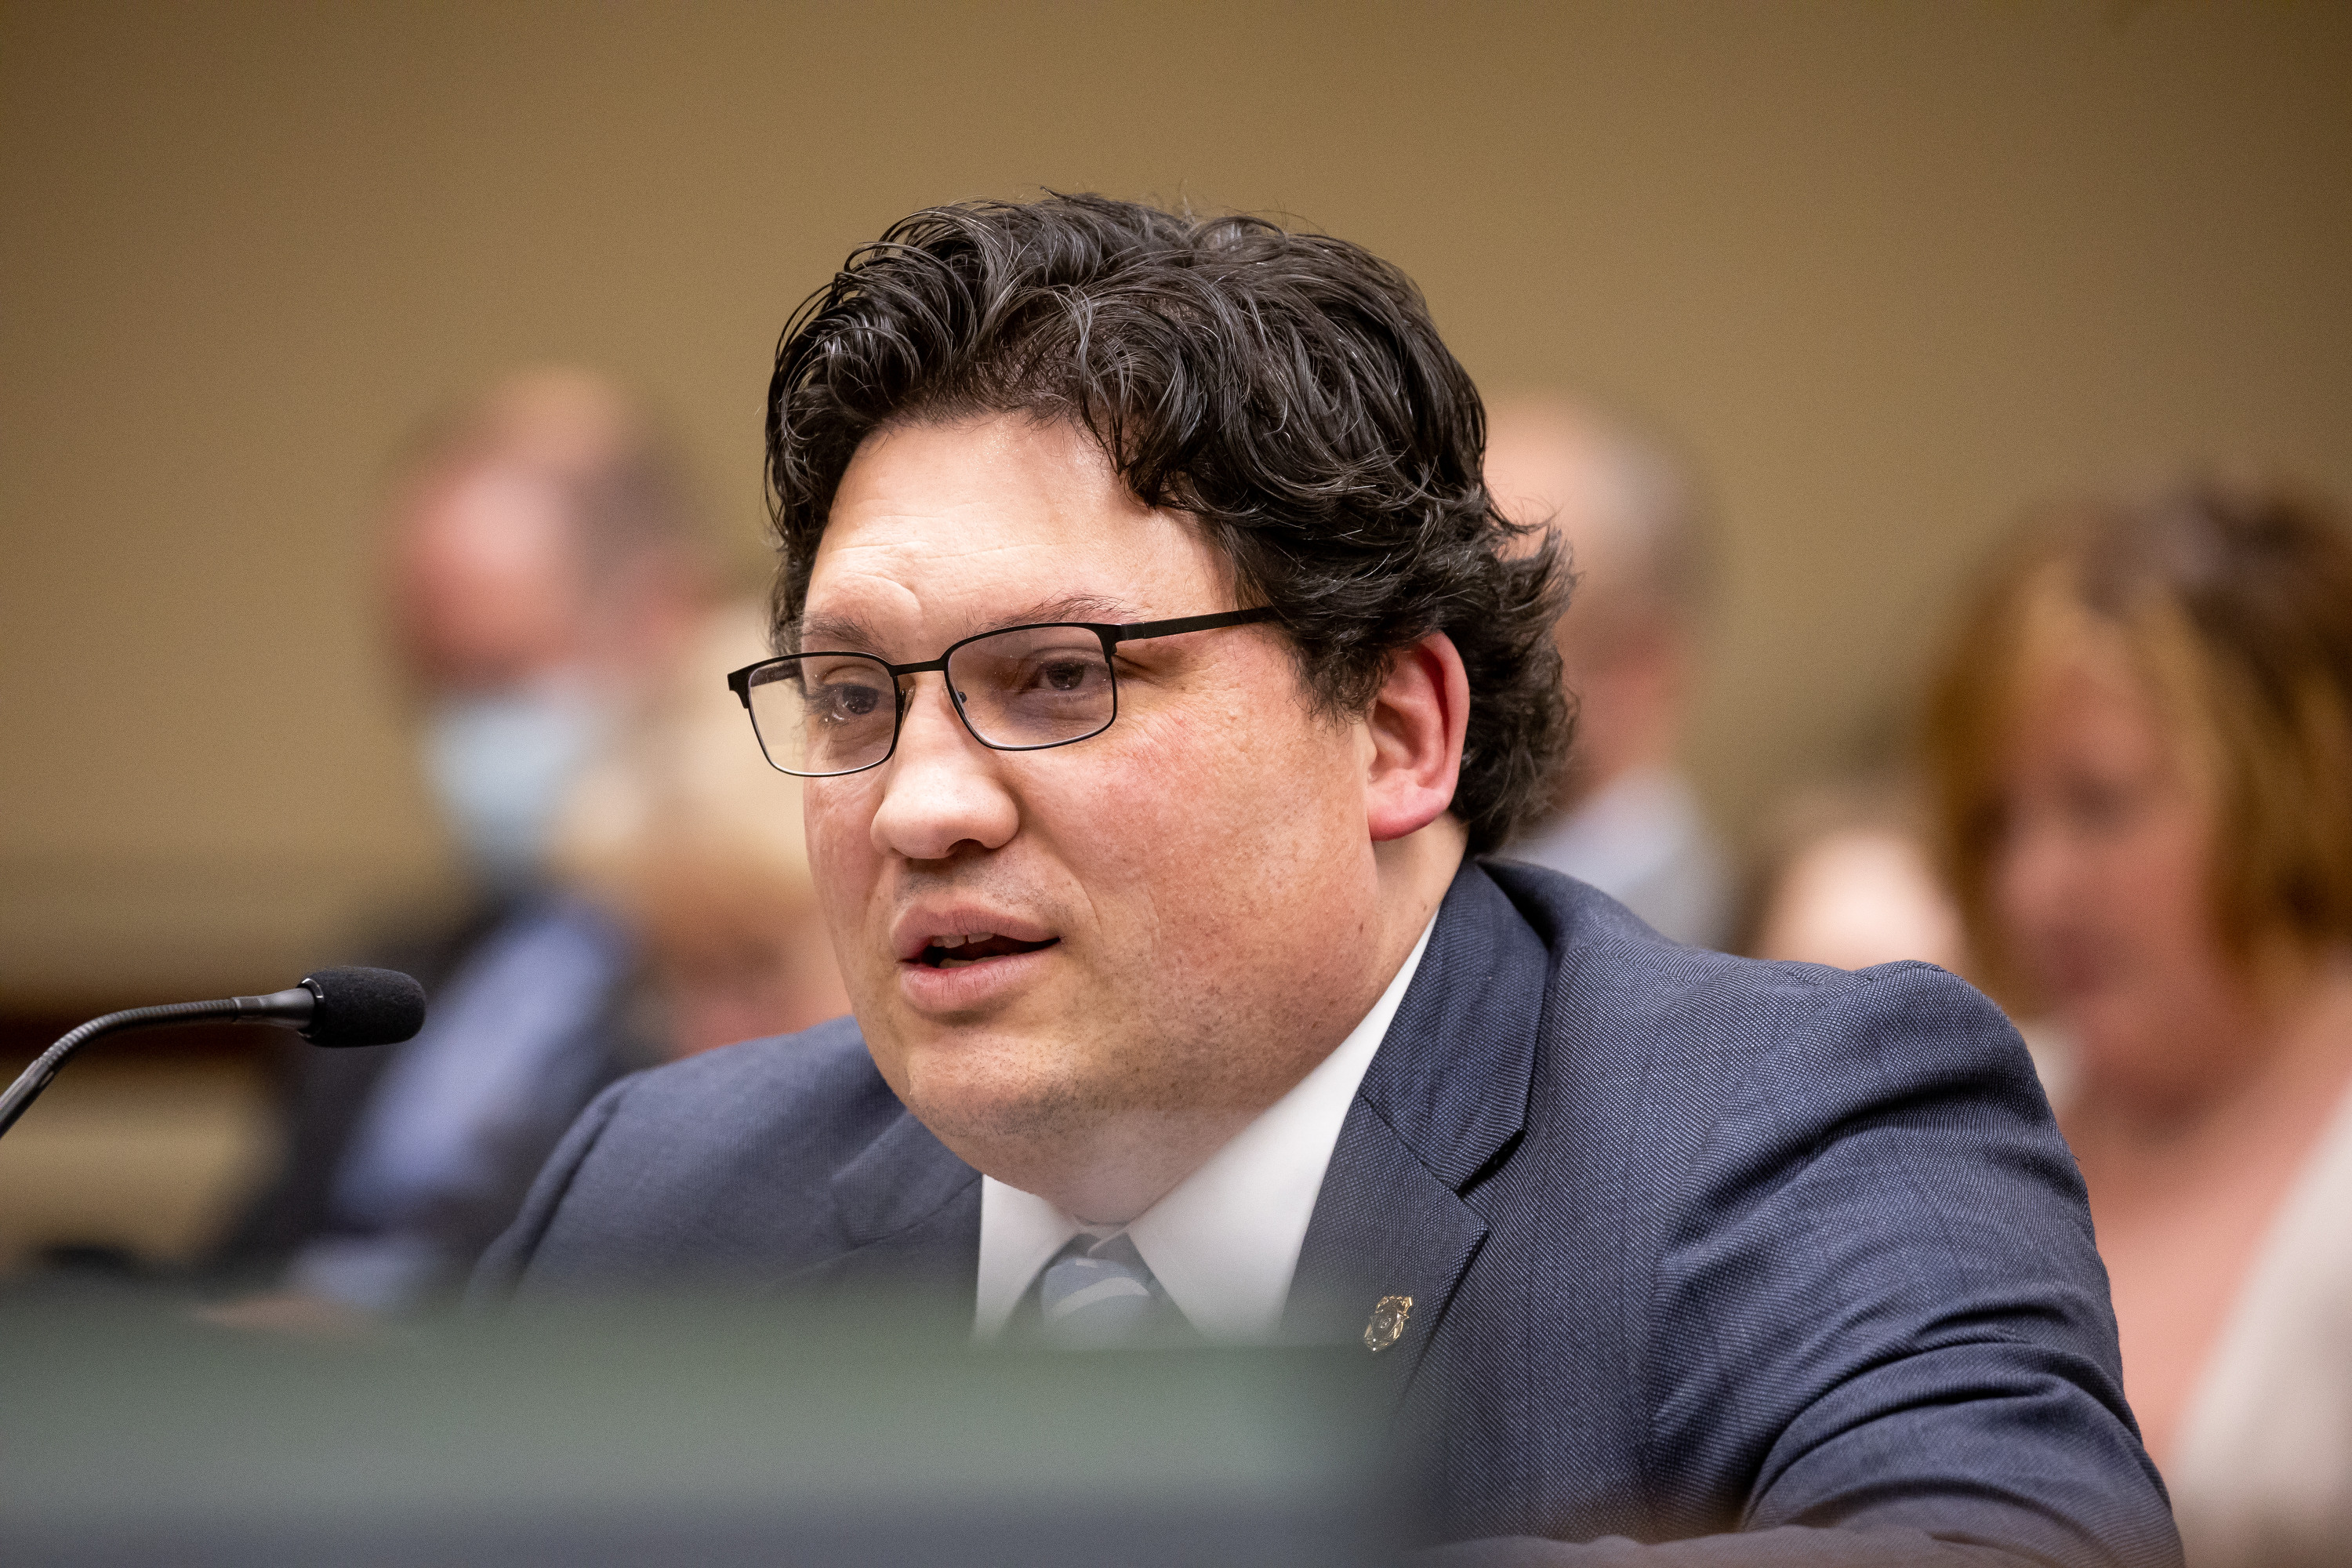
x=1287, y=391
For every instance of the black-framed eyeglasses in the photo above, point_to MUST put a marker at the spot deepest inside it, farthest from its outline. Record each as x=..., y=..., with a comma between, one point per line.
x=1018, y=689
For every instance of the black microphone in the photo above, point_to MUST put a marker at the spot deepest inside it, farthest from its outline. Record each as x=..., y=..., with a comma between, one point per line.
x=350, y=1007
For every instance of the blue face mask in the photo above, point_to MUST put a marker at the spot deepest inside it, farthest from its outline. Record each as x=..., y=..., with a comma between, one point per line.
x=501, y=764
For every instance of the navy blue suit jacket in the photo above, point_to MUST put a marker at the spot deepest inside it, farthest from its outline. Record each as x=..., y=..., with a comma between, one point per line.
x=1695, y=1244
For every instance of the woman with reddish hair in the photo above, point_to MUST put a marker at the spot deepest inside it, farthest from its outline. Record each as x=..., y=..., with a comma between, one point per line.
x=2139, y=745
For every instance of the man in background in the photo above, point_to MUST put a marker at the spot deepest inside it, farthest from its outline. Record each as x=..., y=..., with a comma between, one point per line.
x=1624, y=819
x=544, y=570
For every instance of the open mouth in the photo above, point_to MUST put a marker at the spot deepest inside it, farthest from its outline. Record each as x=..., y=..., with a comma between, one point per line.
x=979, y=947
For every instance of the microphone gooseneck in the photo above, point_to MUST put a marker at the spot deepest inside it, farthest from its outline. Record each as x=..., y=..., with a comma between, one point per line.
x=350, y=1007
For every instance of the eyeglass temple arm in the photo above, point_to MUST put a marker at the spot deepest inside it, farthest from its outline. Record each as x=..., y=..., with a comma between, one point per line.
x=1139, y=630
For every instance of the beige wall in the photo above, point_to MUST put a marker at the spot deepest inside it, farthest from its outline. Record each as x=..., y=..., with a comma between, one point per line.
x=1891, y=270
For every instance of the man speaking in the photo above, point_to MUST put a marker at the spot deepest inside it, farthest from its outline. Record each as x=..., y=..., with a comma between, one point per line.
x=1159, y=667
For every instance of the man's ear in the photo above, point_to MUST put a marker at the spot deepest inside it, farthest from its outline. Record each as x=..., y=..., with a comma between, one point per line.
x=1416, y=727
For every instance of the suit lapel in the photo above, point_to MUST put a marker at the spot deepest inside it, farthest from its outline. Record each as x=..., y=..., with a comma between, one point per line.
x=1386, y=1233
x=909, y=1211
x=1443, y=1101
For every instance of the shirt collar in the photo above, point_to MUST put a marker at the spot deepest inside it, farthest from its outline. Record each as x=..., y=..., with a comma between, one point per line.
x=1224, y=1241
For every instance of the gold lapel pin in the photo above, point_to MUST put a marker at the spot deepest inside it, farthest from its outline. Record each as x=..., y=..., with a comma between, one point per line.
x=1387, y=1326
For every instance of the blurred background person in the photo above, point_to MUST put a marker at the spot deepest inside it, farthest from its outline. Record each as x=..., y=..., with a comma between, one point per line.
x=1846, y=876
x=544, y=570
x=687, y=832
x=1627, y=820
x=2140, y=744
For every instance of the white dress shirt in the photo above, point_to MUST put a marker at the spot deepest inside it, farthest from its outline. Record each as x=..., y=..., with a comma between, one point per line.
x=1224, y=1241
x=2260, y=1471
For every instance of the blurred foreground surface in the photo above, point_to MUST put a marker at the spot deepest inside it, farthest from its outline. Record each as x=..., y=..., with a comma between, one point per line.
x=670, y=1433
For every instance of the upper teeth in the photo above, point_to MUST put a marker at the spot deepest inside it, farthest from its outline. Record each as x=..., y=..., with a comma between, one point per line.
x=959, y=941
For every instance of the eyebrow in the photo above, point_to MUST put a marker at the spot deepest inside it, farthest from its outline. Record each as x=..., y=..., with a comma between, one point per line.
x=848, y=634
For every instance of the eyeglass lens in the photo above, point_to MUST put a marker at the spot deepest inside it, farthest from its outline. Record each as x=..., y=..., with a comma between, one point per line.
x=836, y=714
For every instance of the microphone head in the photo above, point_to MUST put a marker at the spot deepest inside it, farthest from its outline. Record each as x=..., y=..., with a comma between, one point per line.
x=364, y=1007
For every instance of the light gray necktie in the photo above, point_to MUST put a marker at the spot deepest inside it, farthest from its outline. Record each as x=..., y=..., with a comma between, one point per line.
x=1097, y=1293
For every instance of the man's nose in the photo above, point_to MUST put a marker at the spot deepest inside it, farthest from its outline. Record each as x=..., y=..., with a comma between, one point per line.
x=941, y=788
